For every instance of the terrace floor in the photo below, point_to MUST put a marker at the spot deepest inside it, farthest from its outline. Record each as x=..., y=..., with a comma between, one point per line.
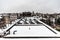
x=30, y=27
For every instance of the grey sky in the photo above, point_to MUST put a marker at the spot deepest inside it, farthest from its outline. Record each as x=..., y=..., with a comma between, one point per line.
x=44, y=6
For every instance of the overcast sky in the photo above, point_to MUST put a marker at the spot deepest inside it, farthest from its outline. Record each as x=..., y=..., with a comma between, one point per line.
x=44, y=6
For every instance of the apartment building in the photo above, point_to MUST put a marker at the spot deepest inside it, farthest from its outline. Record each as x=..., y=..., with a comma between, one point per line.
x=13, y=16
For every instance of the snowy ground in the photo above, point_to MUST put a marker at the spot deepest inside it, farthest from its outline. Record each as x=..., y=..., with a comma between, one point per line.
x=30, y=31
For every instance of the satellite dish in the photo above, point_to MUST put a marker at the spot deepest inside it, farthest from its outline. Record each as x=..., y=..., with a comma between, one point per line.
x=0, y=17
x=21, y=21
